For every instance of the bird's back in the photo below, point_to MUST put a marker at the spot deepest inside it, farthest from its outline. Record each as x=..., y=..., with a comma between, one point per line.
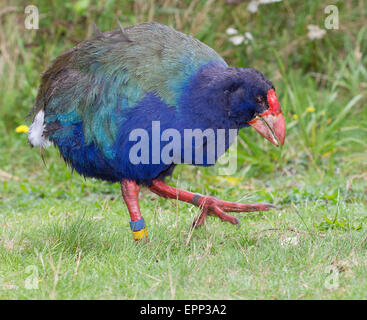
x=149, y=57
x=159, y=58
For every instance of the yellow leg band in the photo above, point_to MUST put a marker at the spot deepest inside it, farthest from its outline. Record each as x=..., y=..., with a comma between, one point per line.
x=138, y=235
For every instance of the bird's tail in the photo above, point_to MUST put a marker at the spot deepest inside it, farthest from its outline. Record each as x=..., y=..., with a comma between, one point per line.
x=36, y=133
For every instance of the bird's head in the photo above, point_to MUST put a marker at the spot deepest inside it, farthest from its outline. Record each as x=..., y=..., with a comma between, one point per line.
x=251, y=100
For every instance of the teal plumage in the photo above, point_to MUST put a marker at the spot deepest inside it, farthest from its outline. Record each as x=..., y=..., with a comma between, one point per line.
x=151, y=56
x=111, y=70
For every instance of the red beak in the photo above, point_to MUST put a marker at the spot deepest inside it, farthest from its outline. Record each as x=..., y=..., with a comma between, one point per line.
x=271, y=124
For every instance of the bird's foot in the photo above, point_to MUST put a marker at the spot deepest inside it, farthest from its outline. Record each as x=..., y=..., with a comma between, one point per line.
x=212, y=206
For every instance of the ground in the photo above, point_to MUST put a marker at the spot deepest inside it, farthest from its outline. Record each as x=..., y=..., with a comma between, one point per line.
x=65, y=237
x=72, y=235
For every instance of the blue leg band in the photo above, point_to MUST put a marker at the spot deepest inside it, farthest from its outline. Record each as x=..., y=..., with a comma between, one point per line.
x=137, y=225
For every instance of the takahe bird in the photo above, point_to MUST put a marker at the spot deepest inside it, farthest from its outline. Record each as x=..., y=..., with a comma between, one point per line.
x=98, y=98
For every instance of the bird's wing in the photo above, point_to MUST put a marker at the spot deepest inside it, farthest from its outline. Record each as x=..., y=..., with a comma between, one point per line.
x=153, y=57
x=91, y=82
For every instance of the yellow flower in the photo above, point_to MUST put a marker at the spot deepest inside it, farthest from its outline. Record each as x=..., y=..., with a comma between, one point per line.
x=232, y=180
x=229, y=180
x=295, y=117
x=22, y=128
x=310, y=109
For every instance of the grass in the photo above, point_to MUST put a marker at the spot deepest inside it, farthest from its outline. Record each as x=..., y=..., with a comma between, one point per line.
x=71, y=235
x=76, y=236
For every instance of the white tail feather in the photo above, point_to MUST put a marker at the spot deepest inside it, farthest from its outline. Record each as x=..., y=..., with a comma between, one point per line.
x=36, y=130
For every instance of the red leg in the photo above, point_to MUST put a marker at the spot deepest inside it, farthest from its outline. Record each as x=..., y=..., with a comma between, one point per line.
x=130, y=191
x=211, y=206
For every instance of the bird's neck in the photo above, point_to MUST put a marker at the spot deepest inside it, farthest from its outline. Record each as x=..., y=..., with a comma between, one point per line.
x=203, y=102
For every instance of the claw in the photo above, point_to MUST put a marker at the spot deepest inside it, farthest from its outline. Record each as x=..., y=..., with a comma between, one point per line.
x=270, y=206
x=238, y=223
x=198, y=222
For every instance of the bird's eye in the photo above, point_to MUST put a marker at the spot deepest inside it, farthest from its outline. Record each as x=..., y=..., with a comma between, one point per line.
x=260, y=100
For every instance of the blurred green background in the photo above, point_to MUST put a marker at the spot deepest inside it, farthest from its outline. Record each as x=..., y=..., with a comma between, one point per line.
x=75, y=232
x=321, y=82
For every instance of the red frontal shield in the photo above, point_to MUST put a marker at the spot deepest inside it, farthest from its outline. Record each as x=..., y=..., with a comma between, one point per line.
x=271, y=124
